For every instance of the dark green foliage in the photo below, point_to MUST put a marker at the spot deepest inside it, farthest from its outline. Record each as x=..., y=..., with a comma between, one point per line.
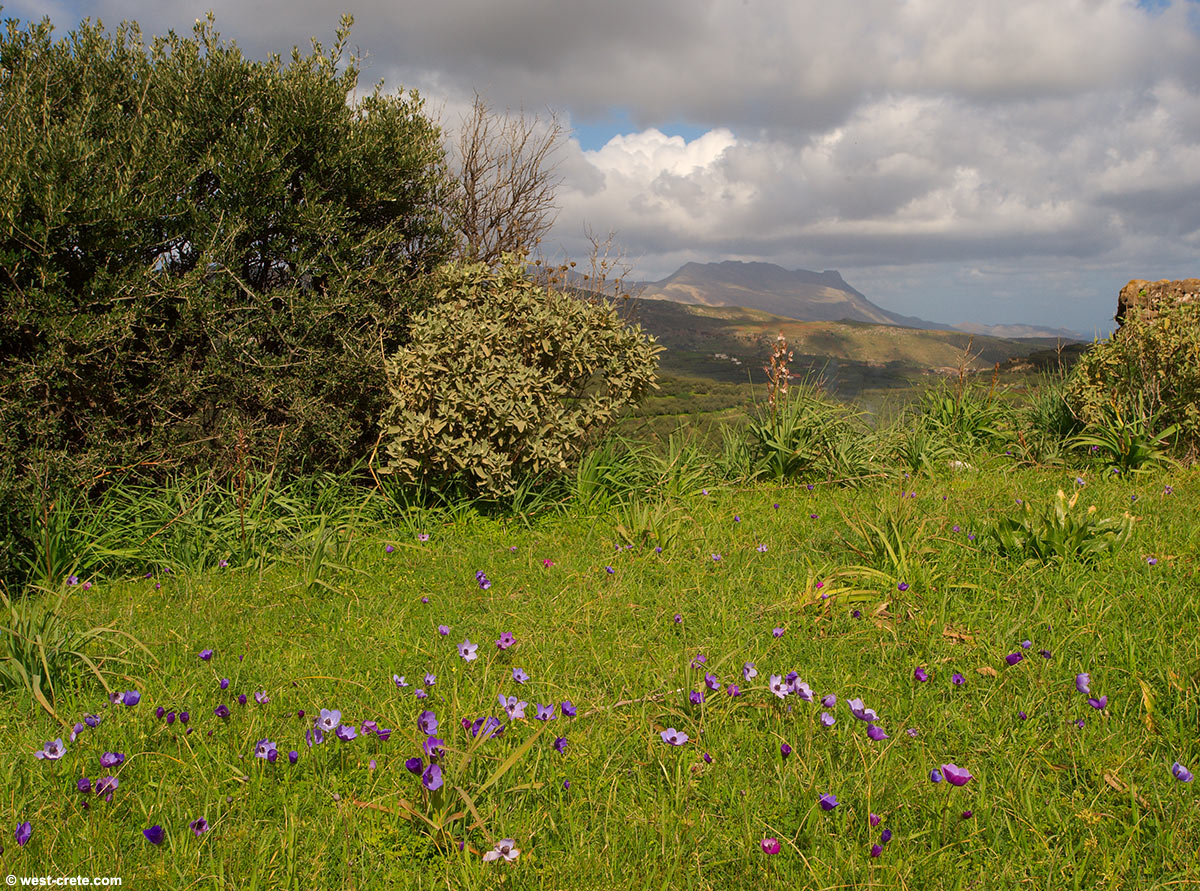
x=810, y=436
x=1059, y=532
x=202, y=257
x=505, y=381
x=1147, y=372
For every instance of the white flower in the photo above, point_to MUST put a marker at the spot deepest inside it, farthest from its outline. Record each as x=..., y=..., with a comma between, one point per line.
x=506, y=848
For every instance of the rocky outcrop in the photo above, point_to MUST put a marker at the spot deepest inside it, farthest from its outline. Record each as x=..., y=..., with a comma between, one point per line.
x=1149, y=296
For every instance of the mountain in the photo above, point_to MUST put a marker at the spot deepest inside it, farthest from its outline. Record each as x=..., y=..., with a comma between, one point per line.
x=791, y=293
x=1020, y=331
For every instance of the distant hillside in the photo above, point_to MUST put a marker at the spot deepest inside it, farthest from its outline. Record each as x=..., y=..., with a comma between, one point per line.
x=733, y=344
x=1020, y=331
x=791, y=293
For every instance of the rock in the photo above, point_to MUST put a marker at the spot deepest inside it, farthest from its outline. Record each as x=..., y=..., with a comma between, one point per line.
x=1150, y=295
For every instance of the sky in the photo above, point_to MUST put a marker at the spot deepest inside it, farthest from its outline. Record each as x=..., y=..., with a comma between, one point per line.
x=959, y=160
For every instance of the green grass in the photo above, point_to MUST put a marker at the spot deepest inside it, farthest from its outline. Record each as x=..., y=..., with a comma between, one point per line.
x=1053, y=805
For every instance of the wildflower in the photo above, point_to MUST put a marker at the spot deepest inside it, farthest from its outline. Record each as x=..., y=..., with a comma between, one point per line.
x=1022, y=715
x=111, y=759
x=828, y=802
x=778, y=687
x=699, y=660
x=829, y=700
x=513, y=707
x=560, y=744
x=876, y=733
x=106, y=786
x=769, y=845
x=733, y=690
x=424, y=599
x=443, y=630
x=544, y=712
x=673, y=737
x=885, y=836
x=422, y=536
x=83, y=784
x=519, y=675
x=24, y=831
x=505, y=640
x=957, y=679
x=1079, y=723
x=388, y=549
x=678, y=620
x=1098, y=702
x=91, y=720
x=154, y=834
x=264, y=748
x=206, y=654
x=293, y=756
x=863, y=714
x=935, y=776
x=198, y=826
x=328, y=720
x=1045, y=654
x=695, y=697
x=222, y=564
x=749, y=672
x=903, y=586
x=170, y=717
x=414, y=765
x=241, y=699
x=707, y=758
x=52, y=750
x=912, y=731
x=958, y=776
x=1181, y=773
x=568, y=708
x=777, y=632
x=802, y=690
x=957, y=528
x=221, y=711
x=261, y=697
x=785, y=749
x=224, y=685
x=1152, y=560
x=716, y=558
x=427, y=722
x=506, y=849
x=609, y=570
x=1013, y=658
x=547, y=562
x=827, y=719
x=657, y=550
x=399, y=680
x=762, y=548
x=75, y=731
x=184, y=717
x=433, y=746
x=712, y=682
x=876, y=850
x=968, y=814
x=466, y=649
x=420, y=694
x=483, y=580
x=1083, y=682
x=874, y=820
x=131, y=698
x=920, y=675
x=431, y=779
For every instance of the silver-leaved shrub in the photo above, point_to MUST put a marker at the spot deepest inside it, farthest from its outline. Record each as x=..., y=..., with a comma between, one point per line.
x=503, y=381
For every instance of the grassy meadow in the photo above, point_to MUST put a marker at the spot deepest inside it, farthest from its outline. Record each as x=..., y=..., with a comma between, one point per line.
x=655, y=611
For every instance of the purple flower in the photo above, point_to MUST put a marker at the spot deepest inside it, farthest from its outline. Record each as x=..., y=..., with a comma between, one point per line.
x=733, y=690
x=699, y=660
x=903, y=586
x=568, y=708
x=544, y=712
x=241, y=699
x=466, y=649
x=609, y=570
x=422, y=536
x=131, y=697
x=420, y=694
x=957, y=679
x=484, y=583
x=749, y=672
x=863, y=714
x=430, y=679
x=431, y=779
x=443, y=630
x=91, y=720
x=828, y=802
x=876, y=850
x=560, y=744
x=777, y=632
x=399, y=680
x=83, y=784
x=874, y=820
x=154, y=834
x=414, y=765
x=261, y=697
x=328, y=720
x=762, y=549
x=920, y=675
x=1083, y=682
x=1026, y=644
x=506, y=849
x=505, y=640
x=75, y=731
x=184, y=717
x=695, y=697
x=1022, y=716
x=170, y=718
x=778, y=687
x=673, y=737
x=885, y=836
x=1178, y=771
x=829, y=700
x=1013, y=658
x=769, y=845
x=716, y=558
x=1045, y=654
x=198, y=826
x=514, y=708
x=424, y=599
x=427, y=722
x=221, y=711
x=678, y=620
x=1098, y=703
x=935, y=776
x=293, y=756
x=111, y=759
x=876, y=733
x=912, y=731
x=106, y=786
x=519, y=675
x=52, y=750
x=827, y=719
x=785, y=749
x=224, y=683
x=388, y=549
x=958, y=776
x=263, y=748
x=434, y=746
x=711, y=681
x=206, y=654
x=707, y=758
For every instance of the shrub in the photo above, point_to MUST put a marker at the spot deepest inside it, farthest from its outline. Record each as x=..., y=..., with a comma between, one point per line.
x=804, y=434
x=504, y=380
x=1147, y=372
x=1058, y=532
x=200, y=254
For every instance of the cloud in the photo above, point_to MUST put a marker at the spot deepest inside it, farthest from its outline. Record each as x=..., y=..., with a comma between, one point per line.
x=967, y=142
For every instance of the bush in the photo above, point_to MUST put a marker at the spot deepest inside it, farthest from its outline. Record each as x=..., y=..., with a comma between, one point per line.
x=503, y=381
x=1147, y=373
x=201, y=255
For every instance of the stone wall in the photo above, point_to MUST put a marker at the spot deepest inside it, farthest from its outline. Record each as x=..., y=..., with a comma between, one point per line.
x=1150, y=295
